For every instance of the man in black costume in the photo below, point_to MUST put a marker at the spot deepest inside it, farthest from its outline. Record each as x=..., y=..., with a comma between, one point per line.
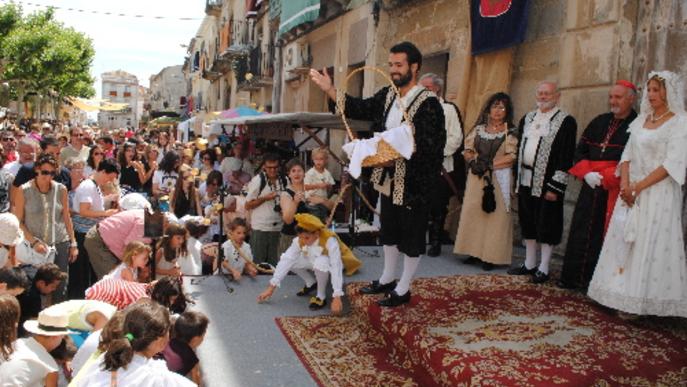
x=547, y=146
x=404, y=185
x=596, y=160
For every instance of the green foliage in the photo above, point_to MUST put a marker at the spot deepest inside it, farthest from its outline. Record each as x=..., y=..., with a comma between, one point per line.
x=38, y=54
x=10, y=18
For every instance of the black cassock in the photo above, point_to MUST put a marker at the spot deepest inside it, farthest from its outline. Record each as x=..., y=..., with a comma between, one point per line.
x=600, y=142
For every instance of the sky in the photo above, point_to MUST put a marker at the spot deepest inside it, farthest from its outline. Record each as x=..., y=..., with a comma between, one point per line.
x=141, y=46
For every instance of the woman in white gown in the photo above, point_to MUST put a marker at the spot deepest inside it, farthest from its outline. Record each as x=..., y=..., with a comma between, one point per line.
x=642, y=268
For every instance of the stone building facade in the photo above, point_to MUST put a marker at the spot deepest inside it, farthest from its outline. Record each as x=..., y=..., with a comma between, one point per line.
x=120, y=87
x=168, y=90
x=584, y=45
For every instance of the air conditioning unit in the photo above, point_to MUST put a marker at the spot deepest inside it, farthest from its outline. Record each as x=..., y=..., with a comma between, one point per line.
x=297, y=56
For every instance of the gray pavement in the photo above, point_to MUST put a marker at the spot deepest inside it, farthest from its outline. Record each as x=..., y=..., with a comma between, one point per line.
x=244, y=346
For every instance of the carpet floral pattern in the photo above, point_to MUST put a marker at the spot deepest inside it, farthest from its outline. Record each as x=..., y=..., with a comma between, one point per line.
x=487, y=330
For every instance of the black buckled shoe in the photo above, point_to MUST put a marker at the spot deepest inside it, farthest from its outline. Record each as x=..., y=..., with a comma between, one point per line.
x=522, y=270
x=376, y=288
x=316, y=303
x=539, y=277
x=434, y=249
x=393, y=299
x=307, y=290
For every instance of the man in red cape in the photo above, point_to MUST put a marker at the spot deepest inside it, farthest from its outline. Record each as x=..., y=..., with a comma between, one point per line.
x=596, y=159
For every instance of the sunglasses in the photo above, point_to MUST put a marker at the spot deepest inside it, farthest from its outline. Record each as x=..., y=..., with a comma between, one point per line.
x=77, y=135
x=206, y=158
x=5, y=139
x=97, y=153
x=47, y=173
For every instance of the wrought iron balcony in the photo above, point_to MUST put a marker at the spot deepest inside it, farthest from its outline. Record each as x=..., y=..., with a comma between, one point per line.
x=241, y=39
x=213, y=7
x=211, y=75
x=259, y=67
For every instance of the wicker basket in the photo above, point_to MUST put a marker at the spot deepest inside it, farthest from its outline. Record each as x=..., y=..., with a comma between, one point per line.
x=385, y=152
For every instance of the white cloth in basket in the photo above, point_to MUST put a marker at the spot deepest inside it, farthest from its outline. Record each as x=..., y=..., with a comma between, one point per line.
x=400, y=138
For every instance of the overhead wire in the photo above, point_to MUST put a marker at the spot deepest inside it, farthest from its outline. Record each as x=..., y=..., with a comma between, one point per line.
x=100, y=12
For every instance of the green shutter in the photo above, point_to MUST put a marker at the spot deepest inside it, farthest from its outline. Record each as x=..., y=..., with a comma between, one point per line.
x=274, y=9
x=297, y=12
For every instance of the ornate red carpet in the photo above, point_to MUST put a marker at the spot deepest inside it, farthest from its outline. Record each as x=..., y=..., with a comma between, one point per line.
x=487, y=330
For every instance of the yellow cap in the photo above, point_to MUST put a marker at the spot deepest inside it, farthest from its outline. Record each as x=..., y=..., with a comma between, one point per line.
x=308, y=222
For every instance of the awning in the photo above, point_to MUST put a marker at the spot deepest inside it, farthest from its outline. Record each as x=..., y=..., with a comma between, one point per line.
x=300, y=119
x=297, y=12
x=97, y=105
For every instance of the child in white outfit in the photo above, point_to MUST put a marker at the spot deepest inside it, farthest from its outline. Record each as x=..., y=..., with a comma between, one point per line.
x=318, y=180
x=135, y=258
x=316, y=250
x=238, y=257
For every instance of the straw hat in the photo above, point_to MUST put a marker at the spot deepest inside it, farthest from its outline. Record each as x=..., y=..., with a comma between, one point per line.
x=49, y=323
x=201, y=143
x=10, y=233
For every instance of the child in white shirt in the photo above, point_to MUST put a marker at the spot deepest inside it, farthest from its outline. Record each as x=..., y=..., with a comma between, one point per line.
x=192, y=263
x=314, y=249
x=238, y=257
x=134, y=259
x=318, y=180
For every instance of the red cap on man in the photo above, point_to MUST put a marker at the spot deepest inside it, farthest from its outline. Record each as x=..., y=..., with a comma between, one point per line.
x=628, y=84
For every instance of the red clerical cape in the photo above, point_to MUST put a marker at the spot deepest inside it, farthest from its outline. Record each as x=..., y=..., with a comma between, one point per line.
x=610, y=181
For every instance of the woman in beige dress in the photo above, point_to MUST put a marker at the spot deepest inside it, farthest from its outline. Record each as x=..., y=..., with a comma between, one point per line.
x=490, y=151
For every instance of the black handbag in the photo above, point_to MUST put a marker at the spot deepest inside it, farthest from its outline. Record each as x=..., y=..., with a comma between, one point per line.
x=488, y=197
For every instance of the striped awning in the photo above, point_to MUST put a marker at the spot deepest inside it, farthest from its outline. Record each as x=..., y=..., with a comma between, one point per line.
x=297, y=12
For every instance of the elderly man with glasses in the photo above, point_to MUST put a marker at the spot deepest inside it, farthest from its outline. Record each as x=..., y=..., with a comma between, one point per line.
x=76, y=147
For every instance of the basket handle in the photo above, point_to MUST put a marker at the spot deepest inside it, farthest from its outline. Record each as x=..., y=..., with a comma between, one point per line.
x=339, y=100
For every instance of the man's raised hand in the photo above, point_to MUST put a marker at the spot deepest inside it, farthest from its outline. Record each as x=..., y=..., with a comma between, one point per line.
x=321, y=79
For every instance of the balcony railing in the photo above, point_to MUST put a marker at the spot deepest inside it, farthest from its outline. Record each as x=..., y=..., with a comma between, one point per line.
x=211, y=75
x=241, y=39
x=259, y=63
x=213, y=7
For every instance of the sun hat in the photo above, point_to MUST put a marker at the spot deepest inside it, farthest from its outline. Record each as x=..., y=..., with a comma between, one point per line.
x=10, y=232
x=49, y=323
x=134, y=201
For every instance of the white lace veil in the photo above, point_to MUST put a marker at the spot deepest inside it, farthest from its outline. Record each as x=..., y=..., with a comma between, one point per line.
x=674, y=93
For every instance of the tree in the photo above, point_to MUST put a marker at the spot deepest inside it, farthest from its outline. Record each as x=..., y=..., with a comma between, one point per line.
x=42, y=56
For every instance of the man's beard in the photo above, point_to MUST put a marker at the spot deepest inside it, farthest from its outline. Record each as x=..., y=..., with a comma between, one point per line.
x=546, y=105
x=403, y=80
x=615, y=109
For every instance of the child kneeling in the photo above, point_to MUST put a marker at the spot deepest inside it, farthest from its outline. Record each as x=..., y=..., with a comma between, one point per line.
x=316, y=249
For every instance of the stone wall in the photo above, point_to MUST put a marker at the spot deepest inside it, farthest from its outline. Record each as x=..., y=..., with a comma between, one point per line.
x=434, y=27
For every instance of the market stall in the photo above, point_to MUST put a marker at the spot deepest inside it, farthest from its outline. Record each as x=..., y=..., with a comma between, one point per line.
x=308, y=131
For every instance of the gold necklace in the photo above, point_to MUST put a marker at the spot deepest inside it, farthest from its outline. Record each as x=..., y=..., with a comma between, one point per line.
x=654, y=119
